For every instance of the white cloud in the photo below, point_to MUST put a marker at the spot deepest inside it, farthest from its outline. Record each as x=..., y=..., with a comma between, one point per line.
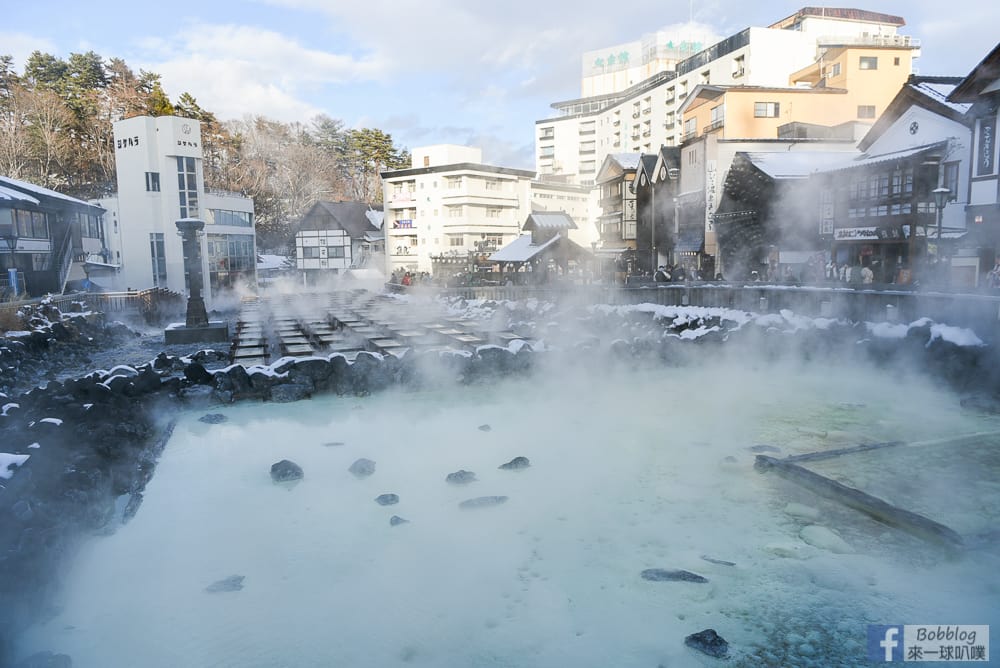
x=234, y=70
x=20, y=45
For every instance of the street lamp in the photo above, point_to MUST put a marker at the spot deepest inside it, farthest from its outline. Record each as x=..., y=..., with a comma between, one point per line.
x=940, y=201
x=10, y=238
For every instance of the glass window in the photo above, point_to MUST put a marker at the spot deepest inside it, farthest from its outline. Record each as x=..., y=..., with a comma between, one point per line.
x=866, y=111
x=868, y=63
x=951, y=179
x=153, y=181
x=766, y=109
x=158, y=258
x=187, y=187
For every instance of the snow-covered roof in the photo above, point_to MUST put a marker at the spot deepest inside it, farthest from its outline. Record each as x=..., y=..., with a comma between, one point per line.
x=265, y=261
x=554, y=220
x=16, y=195
x=939, y=92
x=626, y=160
x=521, y=249
x=798, y=164
x=26, y=187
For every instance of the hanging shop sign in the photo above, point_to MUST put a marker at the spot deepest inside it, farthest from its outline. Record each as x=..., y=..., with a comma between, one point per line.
x=855, y=233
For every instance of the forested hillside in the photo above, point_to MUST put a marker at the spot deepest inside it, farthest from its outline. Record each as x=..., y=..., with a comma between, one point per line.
x=56, y=130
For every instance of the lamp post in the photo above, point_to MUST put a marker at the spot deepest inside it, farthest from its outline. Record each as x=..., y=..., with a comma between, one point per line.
x=940, y=202
x=10, y=238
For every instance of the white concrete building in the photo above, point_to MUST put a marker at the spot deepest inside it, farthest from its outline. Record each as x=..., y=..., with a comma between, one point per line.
x=579, y=202
x=158, y=162
x=449, y=203
x=645, y=115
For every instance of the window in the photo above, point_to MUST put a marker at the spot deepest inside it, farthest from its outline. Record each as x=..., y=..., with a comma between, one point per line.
x=454, y=212
x=835, y=70
x=588, y=167
x=456, y=241
x=226, y=217
x=895, y=61
x=493, y=184
x=153, y=182
x=690, y=126
x=547, y=133
x=492, y=213
x=231, y=258
x=951, y=180
x=454, y=182
x=335, y=252
x=310, y=253
x=866, y=111
x=718, y=113
x=397, y=188
x=705, y=77
x=766, y=109
x=739, y=66
x=159, y=260
x=588, y=147
x=546, y=152
x=187, y=187
x=31, y=224
x=868, y=63
x=427, y=161
x=90, y=226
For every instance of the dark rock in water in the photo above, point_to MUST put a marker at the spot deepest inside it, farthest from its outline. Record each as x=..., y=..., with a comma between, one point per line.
x=485, y=427
x=46, y=660
x=764, y=448
x=213, y=418
x=515, y=464
x=197, y=374
x=132, y=507
x=460, y=477
x=664, y=575
x=232, y=583
x=285, y=470
x=483, y=502
x=387, y=499
x=720, y=562
x=289, y=392
x=362, y=468
x=708, y=642
x=334, y=444
x=396, y=520
x=22, y=510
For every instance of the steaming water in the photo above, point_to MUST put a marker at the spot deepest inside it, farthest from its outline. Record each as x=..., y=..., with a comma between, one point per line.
x=627, y=473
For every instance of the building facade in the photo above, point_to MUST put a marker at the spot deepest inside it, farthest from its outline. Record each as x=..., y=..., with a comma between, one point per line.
x=158, y=161
x=449, y=204
x=335, y=236
x=981, y=90
x=42, y=233
x=645, y=115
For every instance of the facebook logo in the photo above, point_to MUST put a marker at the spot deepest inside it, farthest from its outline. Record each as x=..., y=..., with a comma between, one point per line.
x=885, y=643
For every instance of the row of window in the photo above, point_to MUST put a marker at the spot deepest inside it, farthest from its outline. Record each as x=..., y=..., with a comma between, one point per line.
x=28, y=224
x=235, y=218
x=314, y=252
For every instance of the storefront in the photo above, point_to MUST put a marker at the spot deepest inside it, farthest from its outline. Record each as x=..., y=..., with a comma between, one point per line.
x=886, y=250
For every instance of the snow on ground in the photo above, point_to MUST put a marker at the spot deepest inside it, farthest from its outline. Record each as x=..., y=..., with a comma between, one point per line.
x=7, y=461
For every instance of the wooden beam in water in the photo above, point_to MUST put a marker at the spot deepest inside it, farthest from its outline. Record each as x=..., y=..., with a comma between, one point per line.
x=873, y=506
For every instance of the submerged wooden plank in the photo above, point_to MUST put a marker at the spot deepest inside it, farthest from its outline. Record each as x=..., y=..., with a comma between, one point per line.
x=873, y=506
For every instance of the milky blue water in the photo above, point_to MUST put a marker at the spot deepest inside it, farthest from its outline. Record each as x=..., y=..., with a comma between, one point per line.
x=628, y=472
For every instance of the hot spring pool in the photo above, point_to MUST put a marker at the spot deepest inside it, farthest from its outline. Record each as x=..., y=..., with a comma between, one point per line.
x=628, y=472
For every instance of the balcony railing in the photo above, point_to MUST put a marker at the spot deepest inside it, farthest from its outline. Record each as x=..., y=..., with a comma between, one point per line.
x=691, y=134
x=647, y=133
x=714, y=125
x=669, y=125
x=587, y=131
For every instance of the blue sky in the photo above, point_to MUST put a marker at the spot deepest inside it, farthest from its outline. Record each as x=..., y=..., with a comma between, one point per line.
x=427, y=71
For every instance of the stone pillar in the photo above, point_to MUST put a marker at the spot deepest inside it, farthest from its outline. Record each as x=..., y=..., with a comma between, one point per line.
x=189, y=229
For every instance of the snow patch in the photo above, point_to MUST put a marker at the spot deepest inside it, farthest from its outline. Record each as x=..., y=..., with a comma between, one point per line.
x=8, y=460
x=56, y=421
x=7, y=407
